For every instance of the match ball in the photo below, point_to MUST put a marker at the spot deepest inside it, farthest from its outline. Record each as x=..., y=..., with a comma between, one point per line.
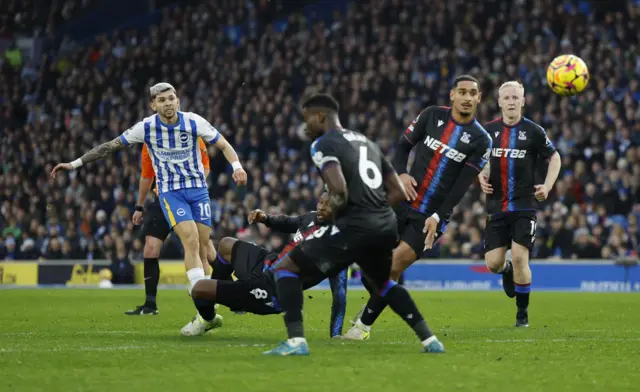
x=567, y=75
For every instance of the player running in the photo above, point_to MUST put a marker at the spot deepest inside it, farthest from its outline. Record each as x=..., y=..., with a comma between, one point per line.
x=362, y=185
x=254, y=290
x=172, y=139
x=451, y=147
x=156, y=230
x=508, y=181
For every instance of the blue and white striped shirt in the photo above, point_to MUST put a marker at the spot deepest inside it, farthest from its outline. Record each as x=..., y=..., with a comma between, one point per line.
x=174, y=149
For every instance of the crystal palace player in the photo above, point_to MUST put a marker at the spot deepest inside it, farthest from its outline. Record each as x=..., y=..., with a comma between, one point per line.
x=254, y=290
x=451, y=148
x=362, y=185
x=508, y=180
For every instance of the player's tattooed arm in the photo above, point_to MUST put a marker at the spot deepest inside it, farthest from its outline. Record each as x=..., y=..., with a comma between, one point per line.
x=103, y=150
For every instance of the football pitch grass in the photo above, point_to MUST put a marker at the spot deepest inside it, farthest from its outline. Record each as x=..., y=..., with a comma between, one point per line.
x=79, y=340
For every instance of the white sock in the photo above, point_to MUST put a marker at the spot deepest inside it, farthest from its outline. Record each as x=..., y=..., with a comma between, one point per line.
x=297, y=341
x=194, y=275
x=362, y=326
x=428, y=341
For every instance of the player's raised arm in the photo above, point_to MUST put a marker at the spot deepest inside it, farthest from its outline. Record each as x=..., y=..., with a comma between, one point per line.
x=284, y=223
x=239, y=175
x=210, y=134
x=131, y=136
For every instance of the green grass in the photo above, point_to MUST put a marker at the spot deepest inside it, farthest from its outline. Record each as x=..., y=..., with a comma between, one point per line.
x=79, y=340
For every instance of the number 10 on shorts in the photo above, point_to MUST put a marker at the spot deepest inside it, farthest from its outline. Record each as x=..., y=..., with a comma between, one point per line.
x=205, y=210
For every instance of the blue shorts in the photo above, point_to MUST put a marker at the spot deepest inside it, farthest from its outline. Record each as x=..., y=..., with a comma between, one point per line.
x=192, y=204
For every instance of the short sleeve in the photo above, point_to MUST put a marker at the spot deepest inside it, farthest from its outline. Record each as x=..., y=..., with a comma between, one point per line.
x=133, y=135
x=417, y=130
x=204, y=153
x=481, y=153
x=145, y=161
x=205, y=130
x=323, y=151
x=544, y=146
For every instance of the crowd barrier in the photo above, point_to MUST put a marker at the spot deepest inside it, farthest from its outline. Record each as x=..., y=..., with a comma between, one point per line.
x=566, y=275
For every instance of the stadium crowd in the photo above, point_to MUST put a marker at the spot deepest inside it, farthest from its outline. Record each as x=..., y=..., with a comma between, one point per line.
x=384, y=60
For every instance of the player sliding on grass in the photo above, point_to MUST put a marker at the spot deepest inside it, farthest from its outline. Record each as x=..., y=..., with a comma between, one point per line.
x=254, y=290
x=451, y=147
x=512, y=195
x=172, y=139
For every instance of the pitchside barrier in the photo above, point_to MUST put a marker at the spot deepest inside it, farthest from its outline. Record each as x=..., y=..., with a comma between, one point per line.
x=565, y=275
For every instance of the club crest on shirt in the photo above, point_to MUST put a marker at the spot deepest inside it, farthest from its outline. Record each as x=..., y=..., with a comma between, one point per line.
x=465, y=137
x=522, y=135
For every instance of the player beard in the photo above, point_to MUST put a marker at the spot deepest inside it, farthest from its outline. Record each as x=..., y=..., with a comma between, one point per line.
x=169, y=114
x=466, y=110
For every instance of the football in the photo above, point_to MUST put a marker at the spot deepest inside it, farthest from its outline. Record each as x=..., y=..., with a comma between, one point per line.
x=567, y=75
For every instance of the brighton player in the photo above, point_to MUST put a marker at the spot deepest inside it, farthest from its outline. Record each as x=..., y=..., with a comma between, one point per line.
x=156, y=230
x=172, y=139
x=451, y=147
x=512, y=194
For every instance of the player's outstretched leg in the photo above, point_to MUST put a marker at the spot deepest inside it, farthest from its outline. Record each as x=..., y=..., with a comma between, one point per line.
x=151, y=253
x=403, y=257
x=204, y=291
x=401, y=302
x=522, y=283
x=194, y=238
x=499, y=262
x=290, y=296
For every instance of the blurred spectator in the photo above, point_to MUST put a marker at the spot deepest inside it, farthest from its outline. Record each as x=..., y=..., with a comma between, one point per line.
x=584, y=247
x=121, y=266
x=11, y=251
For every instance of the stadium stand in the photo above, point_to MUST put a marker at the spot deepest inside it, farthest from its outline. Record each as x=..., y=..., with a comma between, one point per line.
x=245, y=67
